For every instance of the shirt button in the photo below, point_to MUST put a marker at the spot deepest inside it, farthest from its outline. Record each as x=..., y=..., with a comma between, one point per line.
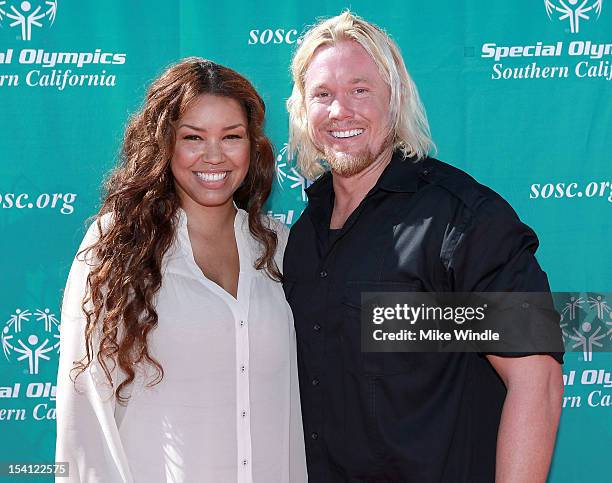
x=323, y=274
x=316, y=327
x=244, y=462
x=242, y=323
x=525, y=305
x=314, y=435
x=243, y=414
x=242, y=368
x=315, y=382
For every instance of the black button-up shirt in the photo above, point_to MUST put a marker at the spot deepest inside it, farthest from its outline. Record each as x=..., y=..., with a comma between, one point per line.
x=401, y=417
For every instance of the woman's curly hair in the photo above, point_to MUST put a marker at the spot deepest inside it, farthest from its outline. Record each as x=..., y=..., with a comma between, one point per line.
x=142, y=201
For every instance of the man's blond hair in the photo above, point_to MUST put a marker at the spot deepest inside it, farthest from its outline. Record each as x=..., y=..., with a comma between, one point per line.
x=408, y=122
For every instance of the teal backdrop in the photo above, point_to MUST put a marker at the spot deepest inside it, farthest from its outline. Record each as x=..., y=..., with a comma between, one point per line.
x=518, y=93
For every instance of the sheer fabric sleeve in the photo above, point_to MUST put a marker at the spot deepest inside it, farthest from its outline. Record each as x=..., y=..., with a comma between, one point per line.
x=87, y=433
x=297, y=454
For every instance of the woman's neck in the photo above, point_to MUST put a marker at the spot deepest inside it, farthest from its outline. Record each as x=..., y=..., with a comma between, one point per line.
x=209, y=221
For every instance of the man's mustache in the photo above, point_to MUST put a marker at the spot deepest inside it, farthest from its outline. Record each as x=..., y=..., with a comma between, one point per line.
x=334, y=126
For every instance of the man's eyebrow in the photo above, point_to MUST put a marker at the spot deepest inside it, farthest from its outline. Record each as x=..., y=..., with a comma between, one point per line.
x=316, y=87
x=354, y=80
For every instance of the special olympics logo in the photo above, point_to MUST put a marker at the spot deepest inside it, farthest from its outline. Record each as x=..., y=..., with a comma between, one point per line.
x=30, y=341
x=27, y=15
x=573, y=11
x=586, y=324
x=291, y=176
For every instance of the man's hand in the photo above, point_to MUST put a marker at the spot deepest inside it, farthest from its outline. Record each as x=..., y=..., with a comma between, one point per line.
x=530, y=417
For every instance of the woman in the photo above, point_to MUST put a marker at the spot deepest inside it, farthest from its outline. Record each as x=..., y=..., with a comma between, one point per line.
x=184, y=345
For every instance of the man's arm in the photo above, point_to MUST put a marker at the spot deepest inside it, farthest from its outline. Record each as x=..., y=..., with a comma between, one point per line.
x=530, y=417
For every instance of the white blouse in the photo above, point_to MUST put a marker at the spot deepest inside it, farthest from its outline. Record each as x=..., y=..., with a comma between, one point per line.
x=227, y=409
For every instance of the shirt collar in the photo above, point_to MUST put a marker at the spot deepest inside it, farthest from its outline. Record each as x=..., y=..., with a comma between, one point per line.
x=241, y=230
x=401, y=175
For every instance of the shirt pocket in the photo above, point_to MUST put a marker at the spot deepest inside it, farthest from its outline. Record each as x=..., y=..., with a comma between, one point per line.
x=370, y=363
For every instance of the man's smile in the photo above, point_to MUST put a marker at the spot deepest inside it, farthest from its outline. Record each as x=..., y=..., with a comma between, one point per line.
x=346, y=134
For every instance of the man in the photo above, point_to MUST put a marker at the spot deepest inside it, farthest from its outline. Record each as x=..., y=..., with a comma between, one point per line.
x=385, y=217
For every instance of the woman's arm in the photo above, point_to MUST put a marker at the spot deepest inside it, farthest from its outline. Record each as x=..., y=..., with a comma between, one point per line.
x=87, y=434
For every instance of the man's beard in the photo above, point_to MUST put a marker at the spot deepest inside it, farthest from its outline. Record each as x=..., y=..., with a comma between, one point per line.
x=347, y=165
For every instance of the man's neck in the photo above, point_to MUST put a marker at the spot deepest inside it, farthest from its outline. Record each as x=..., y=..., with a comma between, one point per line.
x=350, y=191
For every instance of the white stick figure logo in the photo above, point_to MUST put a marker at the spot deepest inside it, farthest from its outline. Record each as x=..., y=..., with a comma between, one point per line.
x=600, y=304
x=33, y=352
x=573, y=11
x=583, y=323
x=30, y=342
x=28, y=14
x=571, y=306
x=293, y=176
x=585, y=340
